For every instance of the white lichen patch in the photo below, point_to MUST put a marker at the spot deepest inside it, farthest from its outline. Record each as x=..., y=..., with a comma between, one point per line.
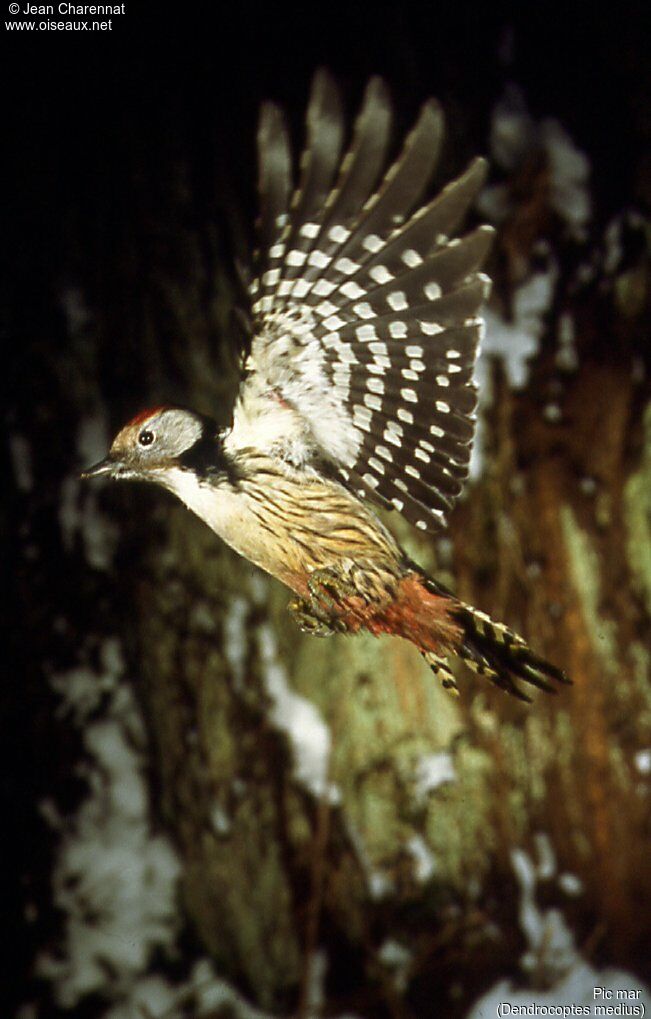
x=514, y=342
x=567, y=358
x=569, y=170
x=380, y=884
x=399, y=960
x=552, y=959
x=299, y=719
x=82, y=689
x=424, y=861
x=220, y=821
x=576, y=989
x=570, y=884
x=152, y=996
x=516, y=136
x=546, y=866
x=114, y=879
x=550, y=943
x=236, y=644
x=513, y=336
x=552, y=413
x=433, y=771
x=203, y=993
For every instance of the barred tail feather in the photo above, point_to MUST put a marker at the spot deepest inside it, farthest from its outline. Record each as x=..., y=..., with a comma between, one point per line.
x=488, y=648
x=441, y=669
x=493, y=650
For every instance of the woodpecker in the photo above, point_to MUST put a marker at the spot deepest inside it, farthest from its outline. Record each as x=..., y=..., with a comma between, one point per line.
x=357, y=389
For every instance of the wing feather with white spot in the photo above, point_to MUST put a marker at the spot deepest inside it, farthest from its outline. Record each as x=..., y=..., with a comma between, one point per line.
x=366, y=314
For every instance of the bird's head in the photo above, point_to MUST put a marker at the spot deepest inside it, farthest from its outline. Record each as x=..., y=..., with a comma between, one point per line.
x=157, y=443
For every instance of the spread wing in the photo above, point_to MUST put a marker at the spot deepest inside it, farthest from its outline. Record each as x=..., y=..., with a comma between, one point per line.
x=365, y=312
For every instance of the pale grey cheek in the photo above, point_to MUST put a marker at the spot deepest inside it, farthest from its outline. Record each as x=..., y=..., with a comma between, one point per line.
x=178, y=432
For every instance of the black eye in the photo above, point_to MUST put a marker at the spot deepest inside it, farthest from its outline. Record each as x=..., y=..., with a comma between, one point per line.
x=146, y=437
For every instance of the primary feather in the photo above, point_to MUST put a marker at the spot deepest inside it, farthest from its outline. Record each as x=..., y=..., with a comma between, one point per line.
x=365, y=314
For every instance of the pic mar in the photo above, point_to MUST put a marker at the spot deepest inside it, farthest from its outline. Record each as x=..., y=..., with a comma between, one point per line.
x=357, y=389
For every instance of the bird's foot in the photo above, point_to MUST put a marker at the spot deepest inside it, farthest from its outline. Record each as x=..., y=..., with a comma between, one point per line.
x=316, y=615
x=313, y=620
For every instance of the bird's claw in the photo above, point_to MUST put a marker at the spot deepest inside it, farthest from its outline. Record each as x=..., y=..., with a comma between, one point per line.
x=317, y=614
x=311, y=619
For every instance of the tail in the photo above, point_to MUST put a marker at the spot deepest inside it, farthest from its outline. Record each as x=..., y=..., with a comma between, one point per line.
x=492, y=650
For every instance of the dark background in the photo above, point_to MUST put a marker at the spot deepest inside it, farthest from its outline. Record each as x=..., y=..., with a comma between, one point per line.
x=93, y=128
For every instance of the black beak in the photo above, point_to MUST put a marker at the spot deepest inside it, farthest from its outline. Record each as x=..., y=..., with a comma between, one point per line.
x=106, y=466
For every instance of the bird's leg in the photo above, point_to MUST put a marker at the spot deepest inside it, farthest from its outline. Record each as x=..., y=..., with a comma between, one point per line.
x=317, y=614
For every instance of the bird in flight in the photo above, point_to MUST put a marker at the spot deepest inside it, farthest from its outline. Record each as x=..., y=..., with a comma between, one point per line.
x=357, y=389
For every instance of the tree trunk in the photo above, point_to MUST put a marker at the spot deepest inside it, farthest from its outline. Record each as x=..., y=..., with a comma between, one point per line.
x=327, y=799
